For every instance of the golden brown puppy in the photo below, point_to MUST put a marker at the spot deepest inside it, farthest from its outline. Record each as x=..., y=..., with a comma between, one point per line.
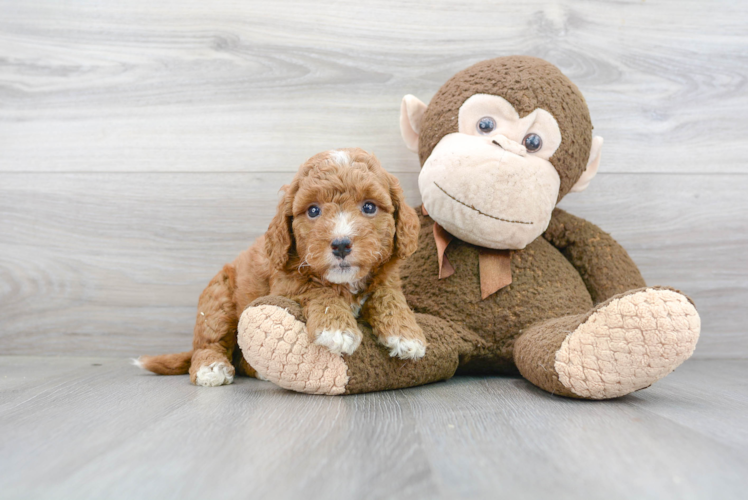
x=334, y=246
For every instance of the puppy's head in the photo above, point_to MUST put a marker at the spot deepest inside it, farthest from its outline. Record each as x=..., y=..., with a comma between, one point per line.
x=341, y=217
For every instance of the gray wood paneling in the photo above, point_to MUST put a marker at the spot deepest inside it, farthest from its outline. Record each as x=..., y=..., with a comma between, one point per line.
x=258, y=86
x=98, y=428
x=113, y=263
x=142, y=144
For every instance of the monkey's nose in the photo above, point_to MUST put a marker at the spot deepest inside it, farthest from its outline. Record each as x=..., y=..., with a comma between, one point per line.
x=341, y=247
x=509, y=145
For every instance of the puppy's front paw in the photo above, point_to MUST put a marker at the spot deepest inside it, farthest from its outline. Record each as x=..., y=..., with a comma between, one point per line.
x=404, y=339
x=405, y=348
x=339, y=341
x=214, y=375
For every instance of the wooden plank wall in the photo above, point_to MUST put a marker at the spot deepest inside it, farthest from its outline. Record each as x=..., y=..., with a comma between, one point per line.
x=142, y=143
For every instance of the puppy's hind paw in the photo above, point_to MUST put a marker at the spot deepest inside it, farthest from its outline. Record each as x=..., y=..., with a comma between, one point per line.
x=405, y=348
x=214, y=375
x=339, y=341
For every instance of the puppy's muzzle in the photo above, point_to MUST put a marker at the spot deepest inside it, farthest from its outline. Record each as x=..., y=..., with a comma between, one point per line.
x=341, y=247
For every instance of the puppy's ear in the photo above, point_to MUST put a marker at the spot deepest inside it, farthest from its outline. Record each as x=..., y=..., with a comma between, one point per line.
x=279, y=237
x=407, y=225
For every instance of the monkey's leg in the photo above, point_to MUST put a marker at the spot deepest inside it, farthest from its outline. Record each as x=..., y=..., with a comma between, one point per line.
x=622, y=345
x=215, y=332
x=272, y=336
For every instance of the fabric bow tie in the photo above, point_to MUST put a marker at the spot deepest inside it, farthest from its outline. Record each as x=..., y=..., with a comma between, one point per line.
x=495, y=265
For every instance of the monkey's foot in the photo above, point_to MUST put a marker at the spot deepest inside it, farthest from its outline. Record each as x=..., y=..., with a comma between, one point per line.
x=276, y=345
x=625, y=344
x=273, y=338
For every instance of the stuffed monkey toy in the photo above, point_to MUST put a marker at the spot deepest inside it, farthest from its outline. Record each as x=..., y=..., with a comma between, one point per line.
x=502, y=281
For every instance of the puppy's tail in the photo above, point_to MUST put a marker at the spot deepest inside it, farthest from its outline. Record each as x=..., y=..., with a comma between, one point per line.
x=166, y=364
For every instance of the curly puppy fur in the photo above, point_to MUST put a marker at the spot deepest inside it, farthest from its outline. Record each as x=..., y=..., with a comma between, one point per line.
x=297, y=258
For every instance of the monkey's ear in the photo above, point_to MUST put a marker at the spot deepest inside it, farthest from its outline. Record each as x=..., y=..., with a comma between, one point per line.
x=411, y=116
x=592, y=165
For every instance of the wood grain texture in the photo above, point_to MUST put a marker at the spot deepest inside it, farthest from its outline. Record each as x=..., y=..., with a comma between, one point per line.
x=142, y=145
x=98, y=428
x=260, y=86
x=112, y=264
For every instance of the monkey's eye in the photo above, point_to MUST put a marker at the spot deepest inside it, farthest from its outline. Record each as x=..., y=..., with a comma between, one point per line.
x=532, y=142
x=486, y=125
x=369, y=208
x=313, y=211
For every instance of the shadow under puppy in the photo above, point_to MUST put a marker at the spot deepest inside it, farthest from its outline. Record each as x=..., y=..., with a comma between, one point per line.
x=334, y=246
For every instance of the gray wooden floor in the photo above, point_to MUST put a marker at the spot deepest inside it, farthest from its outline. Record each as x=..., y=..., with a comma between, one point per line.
x=98, y=428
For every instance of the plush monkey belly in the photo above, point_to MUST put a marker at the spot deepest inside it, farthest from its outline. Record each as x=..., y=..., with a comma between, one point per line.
x=544, y=285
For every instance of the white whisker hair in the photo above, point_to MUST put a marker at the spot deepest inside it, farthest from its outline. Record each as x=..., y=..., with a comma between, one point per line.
x=305, y=262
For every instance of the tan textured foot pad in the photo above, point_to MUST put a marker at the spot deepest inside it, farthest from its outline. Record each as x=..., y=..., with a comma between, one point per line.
x=628, y=344
x=276, y=344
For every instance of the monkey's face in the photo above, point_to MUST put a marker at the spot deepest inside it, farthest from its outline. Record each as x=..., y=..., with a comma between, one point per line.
x=492, y=183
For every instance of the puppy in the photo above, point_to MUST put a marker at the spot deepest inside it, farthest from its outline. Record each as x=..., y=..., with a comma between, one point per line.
x=334, y=246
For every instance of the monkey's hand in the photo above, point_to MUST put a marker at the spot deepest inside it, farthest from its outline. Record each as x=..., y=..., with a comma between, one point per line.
x=603, y=264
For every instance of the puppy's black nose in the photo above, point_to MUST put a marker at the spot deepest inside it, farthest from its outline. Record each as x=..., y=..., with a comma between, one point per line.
x=341, y=247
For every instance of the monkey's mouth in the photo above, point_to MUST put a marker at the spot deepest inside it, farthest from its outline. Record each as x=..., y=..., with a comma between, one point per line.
x=479, y=211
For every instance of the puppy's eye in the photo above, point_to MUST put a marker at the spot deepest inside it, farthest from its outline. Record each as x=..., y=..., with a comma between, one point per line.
x=533, y=142
x=486, y=125
x=313, y=211
x=369, y=208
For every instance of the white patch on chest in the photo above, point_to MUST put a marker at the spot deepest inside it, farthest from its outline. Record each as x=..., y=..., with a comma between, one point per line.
x=358, y=303
x=357, y=287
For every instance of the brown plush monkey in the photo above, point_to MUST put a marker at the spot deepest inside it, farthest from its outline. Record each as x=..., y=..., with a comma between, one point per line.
x=502, y=280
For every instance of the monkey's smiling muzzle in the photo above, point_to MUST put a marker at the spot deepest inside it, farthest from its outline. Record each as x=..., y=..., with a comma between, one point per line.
x=488, y=194
x=480, y=211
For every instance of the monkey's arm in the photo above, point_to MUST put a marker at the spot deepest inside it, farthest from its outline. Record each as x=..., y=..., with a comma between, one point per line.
x=603, y=264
